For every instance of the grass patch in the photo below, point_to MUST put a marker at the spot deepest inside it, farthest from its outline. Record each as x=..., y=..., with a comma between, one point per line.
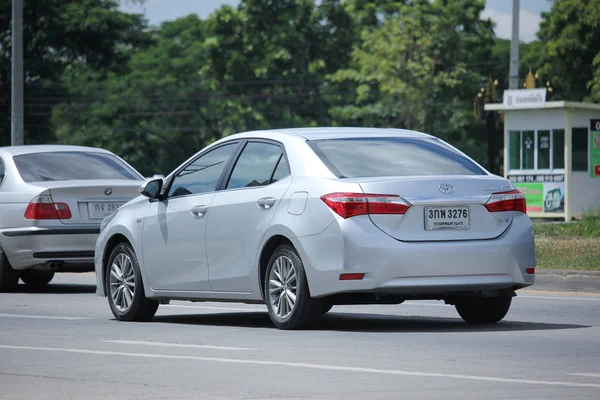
x=571, y=253
x=573, y=245
x=587, y=227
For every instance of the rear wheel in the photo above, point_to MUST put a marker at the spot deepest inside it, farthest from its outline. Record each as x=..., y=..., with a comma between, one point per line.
x=9, y=278
x=286, y=291
x=126, y=296
x=483, y=310
x=33, y=277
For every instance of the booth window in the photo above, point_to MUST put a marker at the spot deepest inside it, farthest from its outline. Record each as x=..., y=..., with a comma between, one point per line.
x=558, y=148
x=543, y=146
x=545, y=149
x=528, y=147
x=580, y=149
x=515, y=150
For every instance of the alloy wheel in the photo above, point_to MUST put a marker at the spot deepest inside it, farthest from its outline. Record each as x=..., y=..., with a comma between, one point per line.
x=122, y=282
x=283, y=287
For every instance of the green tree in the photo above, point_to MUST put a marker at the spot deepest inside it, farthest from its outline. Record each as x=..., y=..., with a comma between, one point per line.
x=243, y=68
x=59, y=33
x=568, y=50
x=413, y=70
x=158, y=113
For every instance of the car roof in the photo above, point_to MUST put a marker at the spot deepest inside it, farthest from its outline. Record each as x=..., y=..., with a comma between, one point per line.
x=48, y=148
x=333, y=133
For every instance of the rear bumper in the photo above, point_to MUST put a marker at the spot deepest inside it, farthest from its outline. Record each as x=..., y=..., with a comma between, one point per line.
x=415, y=268
x=66, y=249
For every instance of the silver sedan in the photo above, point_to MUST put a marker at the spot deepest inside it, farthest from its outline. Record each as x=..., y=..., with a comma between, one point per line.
x=52, y=201
x=304, y=219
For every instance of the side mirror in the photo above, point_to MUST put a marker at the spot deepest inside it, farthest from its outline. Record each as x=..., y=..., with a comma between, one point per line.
x=152, y=188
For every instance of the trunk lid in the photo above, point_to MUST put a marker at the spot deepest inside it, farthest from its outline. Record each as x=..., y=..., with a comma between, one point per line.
x=442, y=208
x=91, y=201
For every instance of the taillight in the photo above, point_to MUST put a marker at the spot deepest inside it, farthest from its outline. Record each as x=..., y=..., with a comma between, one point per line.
x=348, y=205
x=513, y=200
x=42, y=207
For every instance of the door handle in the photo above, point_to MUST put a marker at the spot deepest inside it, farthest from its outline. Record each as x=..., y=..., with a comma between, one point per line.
x=199, y=211
x=265, y=203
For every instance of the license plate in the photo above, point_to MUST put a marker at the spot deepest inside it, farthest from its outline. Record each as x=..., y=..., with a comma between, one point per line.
x=447, y=218
x=102, y=210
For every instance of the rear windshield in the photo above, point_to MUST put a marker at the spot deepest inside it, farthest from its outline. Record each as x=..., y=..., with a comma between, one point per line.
x=372, y=157
x=67, y=166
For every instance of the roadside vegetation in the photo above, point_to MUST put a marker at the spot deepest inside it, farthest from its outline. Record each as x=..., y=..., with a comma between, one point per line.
x=574, y=245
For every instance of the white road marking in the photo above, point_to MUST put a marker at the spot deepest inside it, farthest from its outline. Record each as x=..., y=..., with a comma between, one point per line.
x=192, y=346
x=558, y=298
x=589, y=374
x=3, y=315
x=310, y=366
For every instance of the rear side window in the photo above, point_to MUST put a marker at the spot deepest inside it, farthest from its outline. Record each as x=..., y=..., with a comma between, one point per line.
x=282, y=170
x=372, y=157
x=256, y=165
x=71, y=165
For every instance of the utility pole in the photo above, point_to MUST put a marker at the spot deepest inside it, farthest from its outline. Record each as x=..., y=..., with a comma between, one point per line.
x=514, y=48
x=16, y=118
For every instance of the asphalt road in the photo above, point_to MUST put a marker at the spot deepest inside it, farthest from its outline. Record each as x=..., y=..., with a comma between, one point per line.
x=61, y=342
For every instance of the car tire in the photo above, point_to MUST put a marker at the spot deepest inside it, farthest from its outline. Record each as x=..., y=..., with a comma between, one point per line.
x=290, y=307
x=33, y=277
x=483, y=310
x=9, y=278
x=124, y=286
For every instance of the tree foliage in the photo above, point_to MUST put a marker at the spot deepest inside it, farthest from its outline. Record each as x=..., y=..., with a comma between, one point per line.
x=155, y=95
x=56, y=34
x=568, y=51
x=413, y=70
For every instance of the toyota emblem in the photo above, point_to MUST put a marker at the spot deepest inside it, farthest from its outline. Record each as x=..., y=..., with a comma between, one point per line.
x=446, y=188
x=108, y=191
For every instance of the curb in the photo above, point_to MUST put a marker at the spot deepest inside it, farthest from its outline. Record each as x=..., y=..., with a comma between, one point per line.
x=567, y=281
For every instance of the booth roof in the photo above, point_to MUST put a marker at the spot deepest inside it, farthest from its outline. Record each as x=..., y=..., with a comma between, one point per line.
x=547, y=105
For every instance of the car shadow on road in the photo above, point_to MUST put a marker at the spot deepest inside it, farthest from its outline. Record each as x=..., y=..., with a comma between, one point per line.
x=55, y=288
x=349, y=322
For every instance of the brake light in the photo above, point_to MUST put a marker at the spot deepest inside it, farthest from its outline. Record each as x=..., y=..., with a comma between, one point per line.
x=349, y=205
x=42, y=207
x=513, y=200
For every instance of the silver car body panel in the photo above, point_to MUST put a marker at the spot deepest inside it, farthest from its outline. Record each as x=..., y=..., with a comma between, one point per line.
x=218, y=257
x=37, y=243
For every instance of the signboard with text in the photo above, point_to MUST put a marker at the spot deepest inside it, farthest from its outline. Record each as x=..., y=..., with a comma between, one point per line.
x=543, y=192
x=594, y=148
x=524, y=98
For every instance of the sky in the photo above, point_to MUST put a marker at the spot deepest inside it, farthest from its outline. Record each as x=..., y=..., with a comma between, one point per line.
x=499, y=11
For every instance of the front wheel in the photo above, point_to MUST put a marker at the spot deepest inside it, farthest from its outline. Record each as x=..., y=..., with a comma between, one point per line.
x=33, y=277
x=286, y=291
x=483, y=310
x=126, y=296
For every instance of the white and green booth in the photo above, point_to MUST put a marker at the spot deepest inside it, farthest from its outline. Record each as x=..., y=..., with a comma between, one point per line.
x=552, y=152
